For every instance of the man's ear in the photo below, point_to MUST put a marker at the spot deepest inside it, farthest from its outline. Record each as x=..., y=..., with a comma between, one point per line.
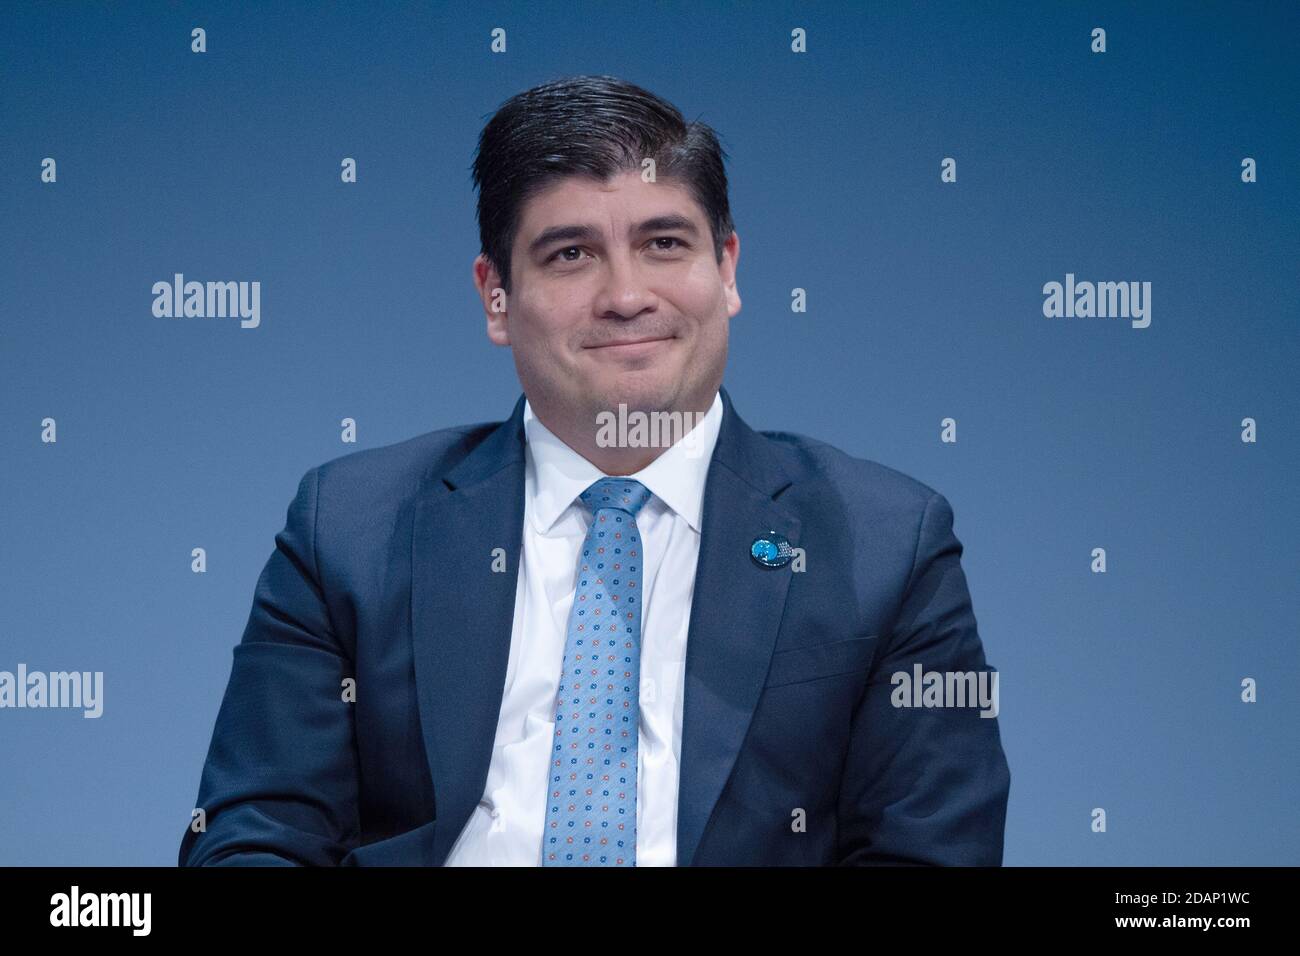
x=727, y=270
x=488, y=282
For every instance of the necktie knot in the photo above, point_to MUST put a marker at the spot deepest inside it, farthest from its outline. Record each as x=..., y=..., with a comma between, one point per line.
x=621, y=493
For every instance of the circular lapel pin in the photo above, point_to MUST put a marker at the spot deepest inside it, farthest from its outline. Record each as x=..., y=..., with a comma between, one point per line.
x=771, y=550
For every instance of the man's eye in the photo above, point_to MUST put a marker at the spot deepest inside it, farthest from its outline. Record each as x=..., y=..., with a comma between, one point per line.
x=562, y=254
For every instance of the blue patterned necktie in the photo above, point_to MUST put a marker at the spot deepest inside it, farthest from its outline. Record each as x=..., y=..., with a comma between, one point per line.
x=591, y=800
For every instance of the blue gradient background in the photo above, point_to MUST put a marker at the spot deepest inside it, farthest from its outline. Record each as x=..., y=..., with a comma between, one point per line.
x=1118, y=690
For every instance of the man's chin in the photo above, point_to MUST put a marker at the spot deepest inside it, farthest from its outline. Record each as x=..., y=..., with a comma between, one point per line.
x=635, y=393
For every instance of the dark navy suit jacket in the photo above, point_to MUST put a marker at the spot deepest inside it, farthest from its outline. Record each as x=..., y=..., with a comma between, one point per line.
x=383, y=574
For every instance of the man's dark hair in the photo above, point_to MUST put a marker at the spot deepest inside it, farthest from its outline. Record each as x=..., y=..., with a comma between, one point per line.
x=592, y=126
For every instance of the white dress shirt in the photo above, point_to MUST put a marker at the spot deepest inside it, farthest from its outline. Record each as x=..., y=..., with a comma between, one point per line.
x=506, y=827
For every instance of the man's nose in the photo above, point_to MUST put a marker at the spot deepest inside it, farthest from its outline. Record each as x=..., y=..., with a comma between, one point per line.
x=625, y=286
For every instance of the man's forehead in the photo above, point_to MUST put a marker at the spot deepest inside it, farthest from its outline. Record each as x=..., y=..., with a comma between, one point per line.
x=556, y=201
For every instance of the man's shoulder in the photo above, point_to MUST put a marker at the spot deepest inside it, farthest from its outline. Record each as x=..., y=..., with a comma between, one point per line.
x=811, y=461
x=388, y=474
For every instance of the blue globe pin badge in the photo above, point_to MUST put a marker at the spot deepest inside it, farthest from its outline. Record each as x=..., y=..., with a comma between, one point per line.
x=771, y=550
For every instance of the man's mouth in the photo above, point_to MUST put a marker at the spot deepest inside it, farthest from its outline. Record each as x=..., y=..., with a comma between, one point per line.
x=628, y=343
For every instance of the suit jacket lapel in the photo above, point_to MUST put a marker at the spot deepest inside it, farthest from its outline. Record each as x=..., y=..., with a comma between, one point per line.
x=736, y=610
x=462, y=616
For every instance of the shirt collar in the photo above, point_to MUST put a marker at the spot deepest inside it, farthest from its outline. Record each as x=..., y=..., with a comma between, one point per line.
x=558, y=474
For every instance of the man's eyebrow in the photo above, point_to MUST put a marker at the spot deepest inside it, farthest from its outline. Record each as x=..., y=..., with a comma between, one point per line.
x=567, y=233
x=670, y=223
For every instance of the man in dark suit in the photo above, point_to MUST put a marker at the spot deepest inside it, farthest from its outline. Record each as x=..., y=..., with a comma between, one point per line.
x=566, y=639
